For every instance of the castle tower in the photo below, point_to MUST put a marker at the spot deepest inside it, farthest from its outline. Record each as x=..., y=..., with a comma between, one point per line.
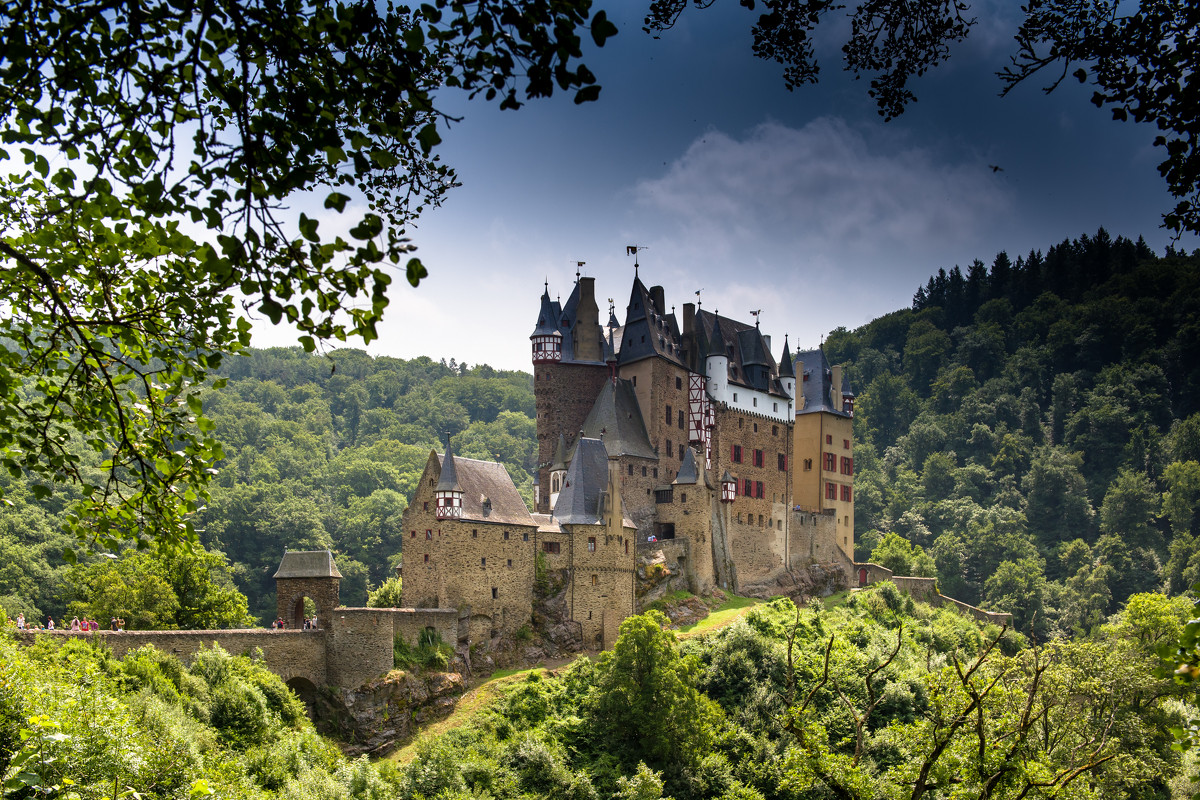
x=546, y=338
x=306, y=574
x=823, y=451
x=568, y=371
x=448, y=495
x=558, y=469
x=787, y=373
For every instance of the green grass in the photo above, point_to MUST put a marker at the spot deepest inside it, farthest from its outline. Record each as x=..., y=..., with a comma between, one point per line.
x=467, y=706
x=727, y=612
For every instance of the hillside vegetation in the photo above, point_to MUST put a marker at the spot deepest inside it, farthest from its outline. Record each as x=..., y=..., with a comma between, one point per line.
x=880, y=697
x=1028, y=432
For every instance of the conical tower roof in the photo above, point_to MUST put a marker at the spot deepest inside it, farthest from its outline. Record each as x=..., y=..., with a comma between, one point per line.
x=687, y=468
x=786, y=370
x=559, y=464
x=547, y=322
x=448, y=482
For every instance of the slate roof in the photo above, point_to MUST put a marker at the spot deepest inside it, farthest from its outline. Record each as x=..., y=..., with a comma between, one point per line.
x=448, y=482
x=560, y=455
x=616, y=418
x=648, y=331
x=579, y=502
x=547, y=323
x=490, y=480
x=307, y=564
x=687, y=468
x=750, y=362
x=816, y=384
x=786, y=368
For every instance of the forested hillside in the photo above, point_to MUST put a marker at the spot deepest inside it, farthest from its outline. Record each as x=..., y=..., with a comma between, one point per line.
x=1027, y=432
x=320, y=451
x=879, y=697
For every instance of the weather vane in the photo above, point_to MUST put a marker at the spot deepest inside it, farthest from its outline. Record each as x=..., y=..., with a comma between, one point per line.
x=698, y=291
x=632, y=250
x=755, y=315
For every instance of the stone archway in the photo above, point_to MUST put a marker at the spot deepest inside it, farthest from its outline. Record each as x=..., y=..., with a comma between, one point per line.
x=310, y=574
x=306, y=690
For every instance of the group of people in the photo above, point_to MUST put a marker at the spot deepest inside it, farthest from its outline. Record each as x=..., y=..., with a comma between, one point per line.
x=76, y=624
x=310, y=623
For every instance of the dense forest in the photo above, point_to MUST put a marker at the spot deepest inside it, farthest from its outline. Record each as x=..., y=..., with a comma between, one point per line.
x=1028, y=432
x=320, y=451
x=1025, y=432
x=874, y=696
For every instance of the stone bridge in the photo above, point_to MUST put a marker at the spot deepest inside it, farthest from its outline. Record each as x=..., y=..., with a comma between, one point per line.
x=350, y=646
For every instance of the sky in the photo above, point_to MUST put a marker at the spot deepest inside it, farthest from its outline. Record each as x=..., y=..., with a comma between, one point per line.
x=803, y=204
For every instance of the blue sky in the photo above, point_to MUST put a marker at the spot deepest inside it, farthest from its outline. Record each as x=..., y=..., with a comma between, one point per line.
x=804, y=204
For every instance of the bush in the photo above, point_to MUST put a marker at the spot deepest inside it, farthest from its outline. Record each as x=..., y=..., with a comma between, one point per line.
x=239, y=713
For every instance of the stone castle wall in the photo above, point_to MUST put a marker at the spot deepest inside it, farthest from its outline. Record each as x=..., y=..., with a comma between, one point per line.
x=487, y=567
x=288, y=653
x=564, y=395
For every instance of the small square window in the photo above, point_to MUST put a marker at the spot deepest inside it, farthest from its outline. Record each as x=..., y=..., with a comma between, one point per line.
x=678, y=382
x=506, y=536
x=595, y=580
x=510, y=562
x=474, y=533
x=483, y=562
x=427, y=558
x=428, y=534
x=829, y=438
x=524, y=537
x=495, y=592
x=425, y=506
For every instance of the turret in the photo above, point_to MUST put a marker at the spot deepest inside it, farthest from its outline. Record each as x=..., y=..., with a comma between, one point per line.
x=716, y=364
x=448, y=494
x=728, y=488
x=546, y=337
x=847, y=396
x=558, y=469
x=787, y=374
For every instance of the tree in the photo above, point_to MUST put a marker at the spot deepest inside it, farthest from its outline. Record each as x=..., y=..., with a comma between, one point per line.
x=161, y=142
x=1140, y=60
x=645, y=700
x=160, y=589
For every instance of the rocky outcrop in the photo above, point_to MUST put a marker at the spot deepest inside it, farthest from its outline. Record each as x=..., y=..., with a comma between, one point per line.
x=812, y=580
x=659, y=573
x=380, y=715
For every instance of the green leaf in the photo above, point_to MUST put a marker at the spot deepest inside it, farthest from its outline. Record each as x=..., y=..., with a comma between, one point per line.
x=337, y=201
x=416, y=271
x=602, y=28
x=429, y=138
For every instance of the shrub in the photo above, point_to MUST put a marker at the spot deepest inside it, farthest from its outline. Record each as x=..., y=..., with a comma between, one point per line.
x=239, y=713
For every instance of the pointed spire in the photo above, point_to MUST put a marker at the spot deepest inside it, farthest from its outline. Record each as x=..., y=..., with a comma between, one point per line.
x=448, y=482
x=559, y=464
x=786, y=370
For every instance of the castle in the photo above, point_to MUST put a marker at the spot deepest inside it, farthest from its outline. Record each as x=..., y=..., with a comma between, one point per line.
x=648, y=431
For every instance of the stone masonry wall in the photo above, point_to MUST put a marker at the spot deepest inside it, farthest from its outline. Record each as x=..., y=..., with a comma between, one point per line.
x=289, y=653
x=756, y=531
x=359, y=645
x=488, y=567
x=813, y=539
x=563, y=397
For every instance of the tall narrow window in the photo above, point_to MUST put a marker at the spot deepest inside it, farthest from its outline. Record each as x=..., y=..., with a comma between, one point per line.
x=591, y=544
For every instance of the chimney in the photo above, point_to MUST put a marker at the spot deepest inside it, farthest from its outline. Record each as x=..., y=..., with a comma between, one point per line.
x=835, y=391
x=587, y=322
x=767, y=342
x=689, y=318
x=656, y=295
x=801, y=396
